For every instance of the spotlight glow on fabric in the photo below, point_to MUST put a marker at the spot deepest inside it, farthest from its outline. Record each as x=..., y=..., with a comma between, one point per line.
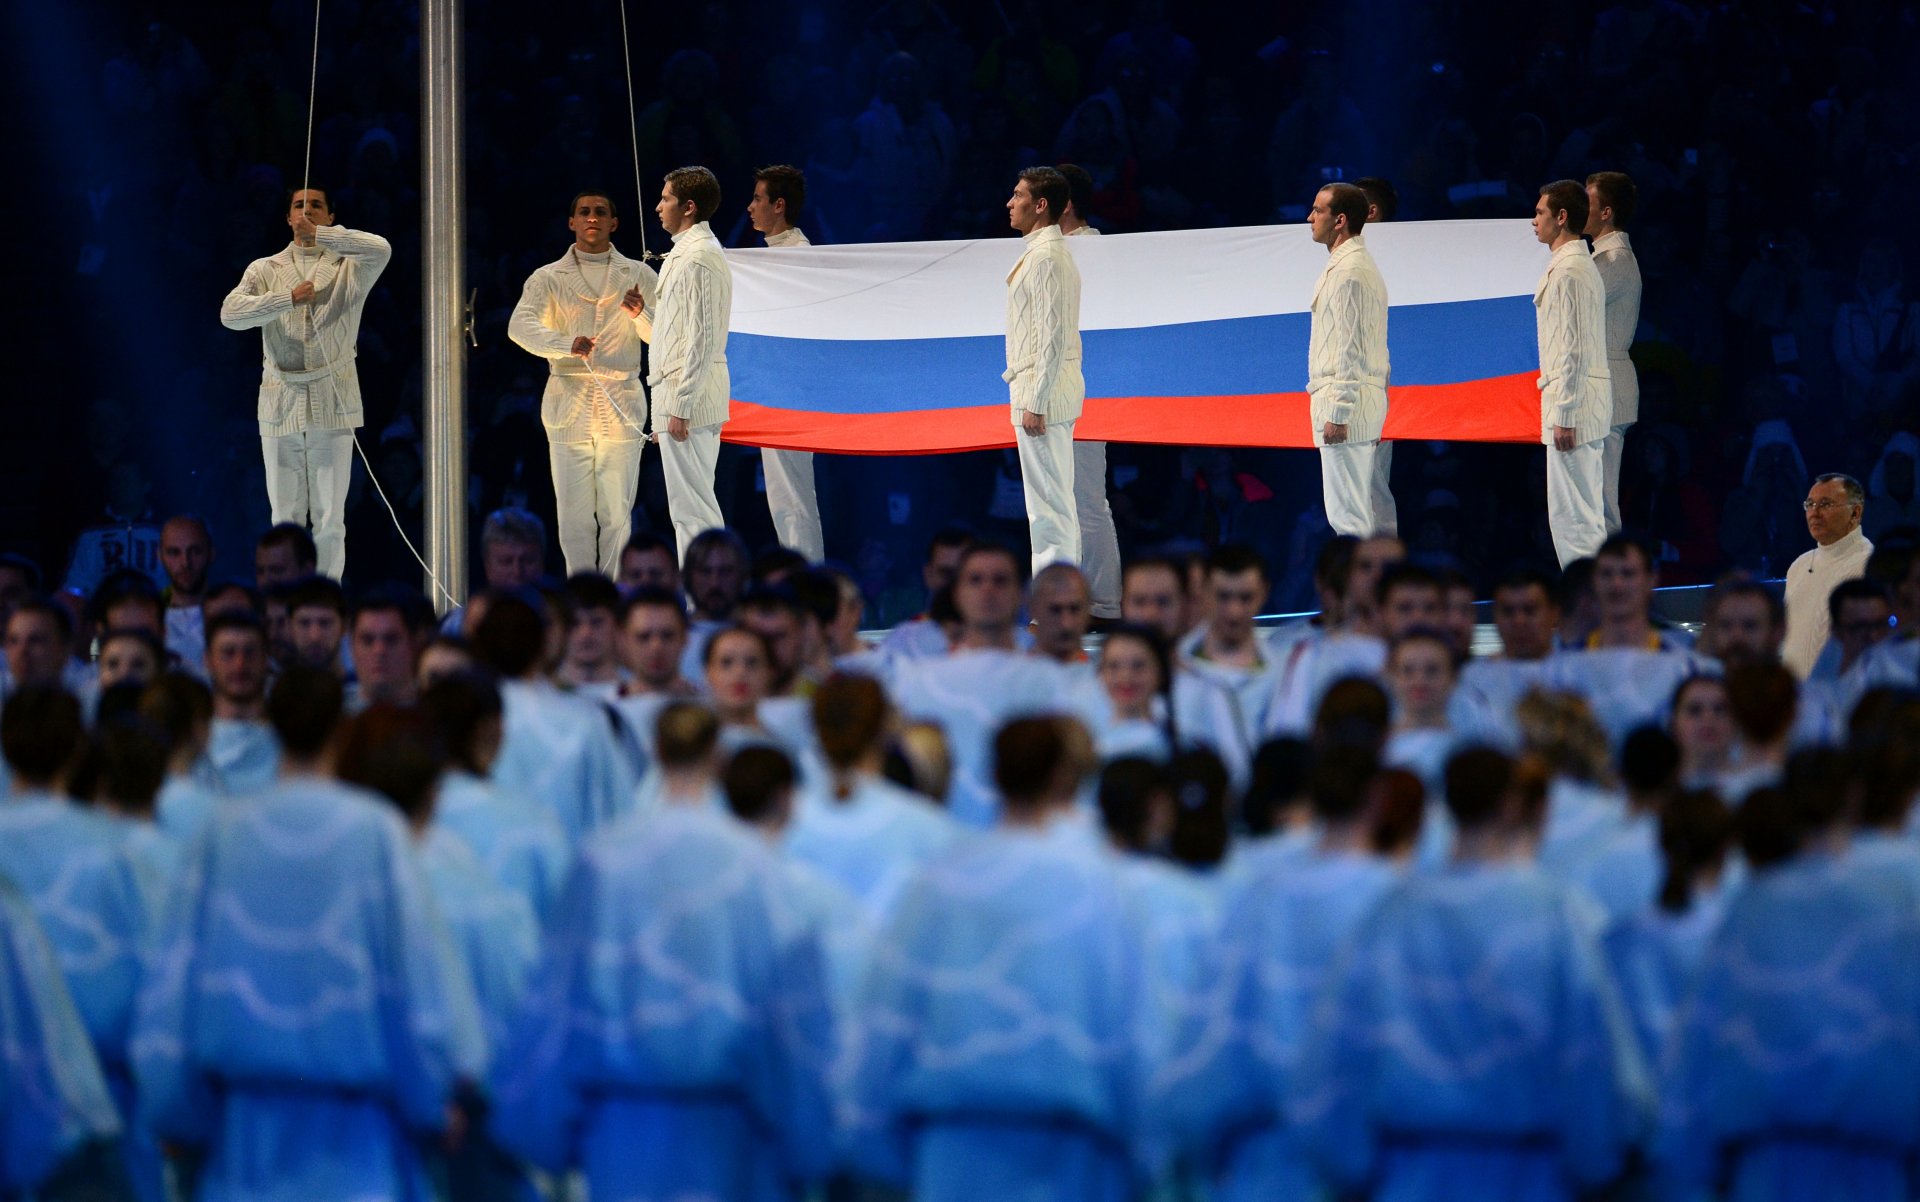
x=1193, y=337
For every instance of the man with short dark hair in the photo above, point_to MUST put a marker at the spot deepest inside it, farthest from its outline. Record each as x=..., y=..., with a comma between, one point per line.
x=922, y=636
x=1043, y=372
x=1744, y=620
x=39, y=640
x=306, y=301
x=1576, y=396
x=1525, y=612
x=1226, y=649
x=1629, y=667
x=687, y=364
x=317, y=623
x=285, y=552
x=386, y=635
x=779, y=192
x=714, y=573
x=1383, y=200
x=1860, y=615
x=582, y=314
x=1099, y=539
x=649, y=562
x=1611, y=200
x=186, y=553
x=242, y=754
x=590, y=665
x=1348, y=370
x=1834, y=506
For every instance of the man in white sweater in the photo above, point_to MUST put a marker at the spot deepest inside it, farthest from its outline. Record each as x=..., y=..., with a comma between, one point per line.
x=688, y=365
x=1576, y=398
x=778, y=194
x=581, y=314
x=306, y=302
x=1043, y=364
x=1347, y=369
x=1611, y=198
x=1099, y=539
x=1834, y=505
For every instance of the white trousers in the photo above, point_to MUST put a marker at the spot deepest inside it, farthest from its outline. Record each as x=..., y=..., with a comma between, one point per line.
x=1616, y=445
x=1354, y=483
x=307, y=478
x=1576, y=504
x=594, y=484
x=1046, y=477
x=1099, y=542
x=688, y=467
x=794, y=503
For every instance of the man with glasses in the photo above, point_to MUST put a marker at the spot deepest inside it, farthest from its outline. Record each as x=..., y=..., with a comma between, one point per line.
x=1834, y=506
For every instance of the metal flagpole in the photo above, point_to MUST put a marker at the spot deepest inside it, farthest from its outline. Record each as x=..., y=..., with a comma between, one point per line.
x=447, y=314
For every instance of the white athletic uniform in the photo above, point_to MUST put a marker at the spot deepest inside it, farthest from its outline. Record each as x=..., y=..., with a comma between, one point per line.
x=1570, y=317
x=1620, y=273
x=791, y=497
x=688, y=374
x=1099, y=541
x=1347, y=374
x=1043, y=376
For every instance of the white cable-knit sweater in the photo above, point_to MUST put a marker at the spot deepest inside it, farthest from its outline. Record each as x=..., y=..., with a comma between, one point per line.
x=1570, y=317
x=578, y=295
x=1043, y=330
x=1347, y=368
x=307, y=378
x=688, y=330
x=1620, y=276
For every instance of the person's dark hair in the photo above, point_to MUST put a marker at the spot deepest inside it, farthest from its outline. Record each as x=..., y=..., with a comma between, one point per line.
x=707, y=542
x=1762, y=699
x=1617, y=192
x=412, y=606
x=1079, y=189
x=591, y=590
x=1477, y=782
x=850, y=715
x=713, y=644
x=1231, y=559
x=1425, y=634
x=1856, y=495
x=326, y=198
x=250, y=622
x=613, y=207
x=317, y=591
x=293, y=537
x=460, y=704
x=1281, y=769
x=1159, y=563
x=126, y=763
x=13, y=561
x=177, y=702
x=1817, y=782
x=1402, y=802
x=1857, y=589
x=397, y=752
x=52, y=611
x=646, y=540
x=1890, y=563
x=948, y=537
x=1046, y=183
x=1354, y=712
x=817, y=592
x=1886, y=774
x=1202, y=797
x=1127, y=790
x=1346, y=200
x=1338, y=784
x=1877, y=716
x=698, y=185
x=978, y=548
x=1028, y=754
x=785, y=182
x=1730, y=587
x=146, y=638
x=755, y=780
x=1576, y=582
x=1625, y=543
x=1529, y=577
x=685, y=734
x=1649, y=761
x=1381, y=194
x=657, y=598
x=118, y=702
x=1334, y=564
x=775, y=562
x=1696, y=829
x=304, y=708
x=118, y=588
x=1403, y=575
x=255, y=599
x=1769, y=830
x=771, y=599
x=41, y=733
x=1571, y=196
x=511, y=636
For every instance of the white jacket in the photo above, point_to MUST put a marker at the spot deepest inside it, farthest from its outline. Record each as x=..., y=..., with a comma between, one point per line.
x=688, y=331
x=574, y=296
x=1043, y=330
x=1347, y=369
x=307, y=378
x=1570, y=317
x=1620, y=274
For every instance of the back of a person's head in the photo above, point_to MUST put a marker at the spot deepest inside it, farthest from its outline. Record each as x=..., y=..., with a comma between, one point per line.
x=1769, y=829
x=41, y=733
x=1279, y=779
x=777, y=563
x=592, y=590
x=1819, y=783
x=304, y=709
x=685, y=735
x=395, y=751
x=1762, y=698
x=1028, y=756
x=1696, y=829
x=1649, y=761
x=511, y=636
x=920, y=761
x=1560, y=729
x=1355, y=712
x=460, y=704
x=757, y=780
x=179, y=703
x=850, y=717
x=1202, y=799
x=1477, y=782
x=1400, y=810
x=127, y=760
x=1339, y=782
x=1127, y=793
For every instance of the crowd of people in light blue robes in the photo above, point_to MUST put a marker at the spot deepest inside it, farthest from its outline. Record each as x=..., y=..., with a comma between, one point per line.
x=609, y=890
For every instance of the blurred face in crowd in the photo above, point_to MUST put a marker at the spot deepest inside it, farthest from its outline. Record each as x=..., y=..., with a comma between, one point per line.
x=316, y=631
x=1623, y=585
x=1237, y=598
x=714, y=582
x=1525, y=616
x=1130, y=673
x=1420, y=672
x=186, y=553
x=36, y=652
x=510, y=564
x=1830, y=516
x=237, y=666
x=651, y=644
x=1743, y=627
x=590, y=642
x=987, y=591
x=1459, y=620
x=383, y=654
x=649, y=567
x=1372, y=557
x=1702, y=724
x=843, y=637
x=1863, y=622
x=126, y=659
x=276, y=563
x=738, y=674
x=1414, y=603
x=279, y=632
x=137, y=613
x=1062, y=610
x=15, y=586
x=1151, y=596
x=782, y=629
x=937, y=573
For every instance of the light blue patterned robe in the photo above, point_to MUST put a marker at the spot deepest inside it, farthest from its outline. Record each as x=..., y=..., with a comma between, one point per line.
x=1627, y=687
x=242, y=757
x=521, y=845
x=560, y=751
x=869, y=842
x=971, y=694
x=185, y=806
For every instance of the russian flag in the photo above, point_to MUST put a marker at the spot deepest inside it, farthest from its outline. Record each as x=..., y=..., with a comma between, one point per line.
x=1193, y=337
